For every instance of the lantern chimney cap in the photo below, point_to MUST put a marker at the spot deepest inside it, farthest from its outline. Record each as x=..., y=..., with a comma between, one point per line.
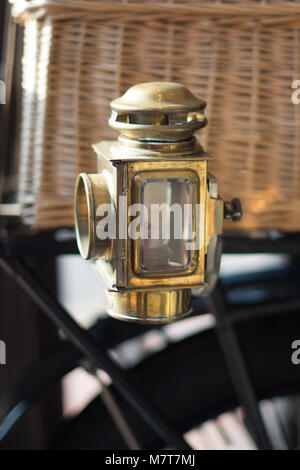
x=157, y=96
x=163, y=110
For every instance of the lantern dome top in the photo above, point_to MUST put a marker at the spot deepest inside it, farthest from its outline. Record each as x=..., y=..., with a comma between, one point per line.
x=157, y=96
x=158, y=110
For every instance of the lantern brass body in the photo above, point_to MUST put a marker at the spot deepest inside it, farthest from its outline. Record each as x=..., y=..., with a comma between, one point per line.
x=156, y=121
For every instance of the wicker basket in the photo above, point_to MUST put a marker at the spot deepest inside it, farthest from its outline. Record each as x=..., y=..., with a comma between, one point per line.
x=241, y=57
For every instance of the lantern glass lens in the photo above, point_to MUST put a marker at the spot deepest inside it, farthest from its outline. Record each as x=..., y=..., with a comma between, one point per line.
x=167, y=224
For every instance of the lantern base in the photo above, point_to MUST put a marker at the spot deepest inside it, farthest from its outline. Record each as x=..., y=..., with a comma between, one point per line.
x=149, y=306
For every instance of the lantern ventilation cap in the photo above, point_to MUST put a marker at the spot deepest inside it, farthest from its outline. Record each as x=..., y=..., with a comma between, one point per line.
x=159, y=111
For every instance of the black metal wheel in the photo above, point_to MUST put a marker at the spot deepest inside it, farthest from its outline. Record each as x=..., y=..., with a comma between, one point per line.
x=189, y=381
x=245, y=358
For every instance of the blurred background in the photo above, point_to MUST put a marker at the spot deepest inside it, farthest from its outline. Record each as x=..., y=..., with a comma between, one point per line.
x=62, y=63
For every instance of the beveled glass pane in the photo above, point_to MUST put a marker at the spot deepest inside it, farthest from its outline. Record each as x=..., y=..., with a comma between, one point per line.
x=168, y=218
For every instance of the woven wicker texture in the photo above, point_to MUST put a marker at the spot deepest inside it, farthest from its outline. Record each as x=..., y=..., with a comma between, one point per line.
x=241, y=57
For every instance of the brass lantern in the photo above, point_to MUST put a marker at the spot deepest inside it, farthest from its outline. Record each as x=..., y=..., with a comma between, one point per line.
x=150, y=264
